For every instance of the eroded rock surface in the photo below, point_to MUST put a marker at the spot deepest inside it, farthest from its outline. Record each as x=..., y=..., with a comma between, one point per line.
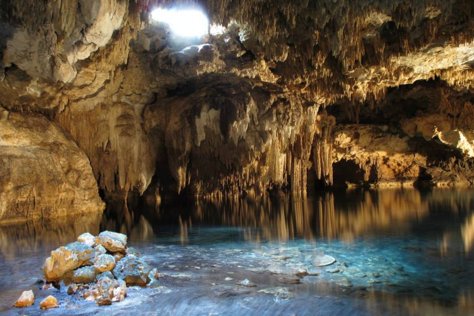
x=43, y=173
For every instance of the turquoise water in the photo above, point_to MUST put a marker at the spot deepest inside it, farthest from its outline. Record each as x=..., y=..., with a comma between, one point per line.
x=398, y=252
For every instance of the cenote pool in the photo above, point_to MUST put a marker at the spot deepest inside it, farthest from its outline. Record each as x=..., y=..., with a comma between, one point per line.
x=398, y=252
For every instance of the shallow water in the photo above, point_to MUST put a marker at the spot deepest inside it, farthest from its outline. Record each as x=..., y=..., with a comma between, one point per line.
x=398, y=252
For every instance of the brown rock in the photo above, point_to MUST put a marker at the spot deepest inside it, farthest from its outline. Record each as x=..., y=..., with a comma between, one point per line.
x=27, y=298
x=43, y=173
x=112, y=241
x=49, y=302
x=87, y=238
x=65, y=259
x=104, y=263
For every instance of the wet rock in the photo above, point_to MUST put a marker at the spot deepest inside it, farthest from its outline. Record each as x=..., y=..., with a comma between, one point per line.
x=49, y=302
x=72, y=289
x=99, y=250
x=84, y=275
x=325, y=260
x=104, y=263
x=278, y=292
x=247, y=283
x=87, y=238
x=112, y=241
x=334, y=270
x=289, y=280
x=106, y=274
x=132, y=270
x=65, y=259
x=133, y=252
x=118, y=256
x=27, y=298
x=107, y=291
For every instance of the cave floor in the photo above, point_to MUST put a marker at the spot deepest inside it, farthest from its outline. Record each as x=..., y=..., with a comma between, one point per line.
x=398, y=252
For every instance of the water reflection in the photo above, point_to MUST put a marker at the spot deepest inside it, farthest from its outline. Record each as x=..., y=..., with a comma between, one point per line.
x=29, y=237
x=398, y=252
x=468, y=233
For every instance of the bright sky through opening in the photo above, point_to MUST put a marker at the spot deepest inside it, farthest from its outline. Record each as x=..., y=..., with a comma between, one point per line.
x=183, y=22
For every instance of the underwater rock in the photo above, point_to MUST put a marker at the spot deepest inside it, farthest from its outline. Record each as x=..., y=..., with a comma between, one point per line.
x=325, y=260
x=133, y=271
x=27, y=298
x=113, y=242
x=49, y=302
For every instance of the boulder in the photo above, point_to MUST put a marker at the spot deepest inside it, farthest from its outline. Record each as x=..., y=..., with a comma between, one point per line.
x=65, y=259
x=84, y=275
x=87, y=238
x=49, y=302
x=104, y=263
x=113, y=242
x=27, y=298
x=133, y=271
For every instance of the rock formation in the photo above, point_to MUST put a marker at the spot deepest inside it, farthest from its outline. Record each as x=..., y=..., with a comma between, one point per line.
x=293, y=95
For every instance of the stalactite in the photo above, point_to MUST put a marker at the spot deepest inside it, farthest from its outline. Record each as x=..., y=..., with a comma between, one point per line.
x=322, y=148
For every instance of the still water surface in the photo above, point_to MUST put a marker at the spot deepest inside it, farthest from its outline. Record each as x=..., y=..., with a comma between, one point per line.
x=398, y=252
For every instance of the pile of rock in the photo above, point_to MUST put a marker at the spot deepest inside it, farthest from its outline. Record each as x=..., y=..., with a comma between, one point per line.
x=99, y=268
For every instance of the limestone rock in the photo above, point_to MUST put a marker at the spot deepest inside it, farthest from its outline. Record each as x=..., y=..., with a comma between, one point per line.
x=84, y=275
x=99, y=249
x=27, y=298
x=112, y=241
x=103, y=263
x=65, y=259
x=49, y=302
x=43, y=173
x=133, y=271
x=87, y=238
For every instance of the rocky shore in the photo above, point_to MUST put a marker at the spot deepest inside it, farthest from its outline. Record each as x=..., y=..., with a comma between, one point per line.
x=95, y=268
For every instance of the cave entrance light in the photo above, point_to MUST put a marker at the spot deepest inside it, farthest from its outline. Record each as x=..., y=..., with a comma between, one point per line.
x=183, y=22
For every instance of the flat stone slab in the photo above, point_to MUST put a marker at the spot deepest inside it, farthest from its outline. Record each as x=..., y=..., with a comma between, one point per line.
x=324, y=260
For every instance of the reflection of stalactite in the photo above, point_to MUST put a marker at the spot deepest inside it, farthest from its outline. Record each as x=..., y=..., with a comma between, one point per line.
x=322, y=148
x=467, y=231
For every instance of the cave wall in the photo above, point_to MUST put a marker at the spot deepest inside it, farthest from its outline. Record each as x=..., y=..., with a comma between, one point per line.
x=293, y=96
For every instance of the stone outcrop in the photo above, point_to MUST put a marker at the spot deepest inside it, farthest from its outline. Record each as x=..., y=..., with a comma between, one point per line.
x=43, y=174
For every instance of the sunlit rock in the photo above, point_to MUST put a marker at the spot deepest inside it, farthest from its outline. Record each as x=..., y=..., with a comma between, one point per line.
x=103, y=263
x=87, y=238
x=49, y=302
x=65, y=259
x=27, y=298
x=133, y=271
x=113, y=242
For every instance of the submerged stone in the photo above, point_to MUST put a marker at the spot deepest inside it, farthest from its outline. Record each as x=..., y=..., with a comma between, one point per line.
x=27, y=298
x=112, y=241
x=325, y=260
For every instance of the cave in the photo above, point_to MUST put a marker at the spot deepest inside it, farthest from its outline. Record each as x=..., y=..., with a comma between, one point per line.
x=277, y=157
